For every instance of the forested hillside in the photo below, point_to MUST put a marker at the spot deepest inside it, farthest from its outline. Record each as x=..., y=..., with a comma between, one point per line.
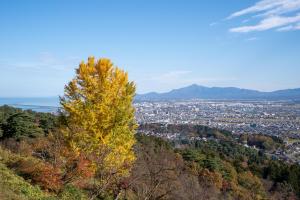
x=91, y=150
x=32, y=167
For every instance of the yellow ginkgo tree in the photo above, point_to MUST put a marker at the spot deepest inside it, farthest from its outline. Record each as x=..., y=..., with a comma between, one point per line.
x=98, y=107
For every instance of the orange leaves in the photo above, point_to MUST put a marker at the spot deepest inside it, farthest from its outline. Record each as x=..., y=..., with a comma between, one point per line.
x=79, y=171
x=48, y=177
x=41, y=173
x=54, y=165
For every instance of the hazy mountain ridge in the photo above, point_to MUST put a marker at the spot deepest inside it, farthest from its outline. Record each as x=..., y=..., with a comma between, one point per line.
x=186, y=93
x=231, y=93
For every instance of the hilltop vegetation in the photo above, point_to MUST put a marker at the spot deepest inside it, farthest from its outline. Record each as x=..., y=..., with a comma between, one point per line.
x=18, y=124
x=89, y=146
x=215, y=169
x=91, y=151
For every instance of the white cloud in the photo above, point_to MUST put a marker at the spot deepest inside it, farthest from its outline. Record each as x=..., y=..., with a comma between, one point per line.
x=252, y=39
x=289, y=28
x=44, y=61
x=268, y=23
x=280, y=14
x=286, y=28
x=258, y=7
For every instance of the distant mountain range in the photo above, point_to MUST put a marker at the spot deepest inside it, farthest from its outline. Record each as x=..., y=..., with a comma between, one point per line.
x=220, y=93
x=185, y=93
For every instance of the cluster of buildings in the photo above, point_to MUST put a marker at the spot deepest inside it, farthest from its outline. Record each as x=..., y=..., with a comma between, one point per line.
x=239, y=117
x=280, y=119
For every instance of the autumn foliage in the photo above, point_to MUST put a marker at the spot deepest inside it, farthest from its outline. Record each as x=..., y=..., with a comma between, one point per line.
x=87, y=151
x=41, y=173
x=99, y=114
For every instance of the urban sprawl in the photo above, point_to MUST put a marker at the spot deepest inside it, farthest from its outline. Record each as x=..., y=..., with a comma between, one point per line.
x=278, y=118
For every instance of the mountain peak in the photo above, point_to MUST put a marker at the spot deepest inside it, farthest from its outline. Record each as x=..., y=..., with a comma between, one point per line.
x=195, y=91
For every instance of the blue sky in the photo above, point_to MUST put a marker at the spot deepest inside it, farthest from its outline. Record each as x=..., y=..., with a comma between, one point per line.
x=162, y=44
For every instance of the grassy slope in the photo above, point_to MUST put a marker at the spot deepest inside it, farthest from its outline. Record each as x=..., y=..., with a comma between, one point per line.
x=15, y=187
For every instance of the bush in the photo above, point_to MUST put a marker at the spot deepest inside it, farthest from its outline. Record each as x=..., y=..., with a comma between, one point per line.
x=70, y=192
x=15, y=187
x=43, y=174
x=39, y=172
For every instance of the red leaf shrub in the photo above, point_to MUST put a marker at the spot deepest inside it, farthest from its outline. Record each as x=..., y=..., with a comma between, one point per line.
x=40, y=173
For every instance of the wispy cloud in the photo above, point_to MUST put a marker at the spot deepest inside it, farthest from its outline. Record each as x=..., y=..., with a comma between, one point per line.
x=252, y=39
x=289, y=28
x=44, y=61
x=268, y=23
x=272, y=14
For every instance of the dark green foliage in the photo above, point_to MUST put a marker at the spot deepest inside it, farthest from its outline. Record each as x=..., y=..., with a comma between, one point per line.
x=205, y=160
x=278, y=171
x=21, y=125
x=6, y=112
x=294, y=177
x=47, y=121
x=193, y=155
x=212, y=163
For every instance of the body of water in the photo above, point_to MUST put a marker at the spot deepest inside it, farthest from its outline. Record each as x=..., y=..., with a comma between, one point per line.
x=43, y=104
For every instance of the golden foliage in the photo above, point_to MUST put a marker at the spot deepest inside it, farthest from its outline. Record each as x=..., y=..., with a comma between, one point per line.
x=99, y=112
